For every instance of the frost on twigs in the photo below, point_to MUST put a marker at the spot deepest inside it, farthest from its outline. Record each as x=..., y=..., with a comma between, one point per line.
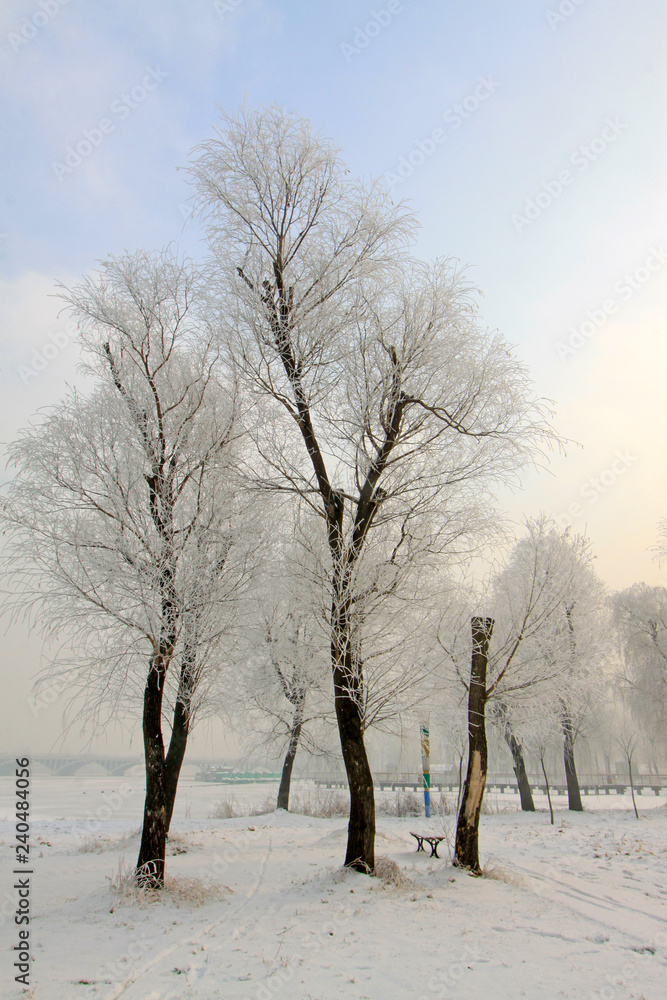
x=321, y=804
x=382, y=406
x=501, y=872
x=97, y=844
x=391, y=874
x=133, y=885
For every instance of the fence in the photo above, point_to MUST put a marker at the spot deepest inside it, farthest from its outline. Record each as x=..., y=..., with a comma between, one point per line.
x=594, y=784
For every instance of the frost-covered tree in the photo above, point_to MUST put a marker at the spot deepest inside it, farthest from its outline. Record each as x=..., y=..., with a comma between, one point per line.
x=124, y=528
x=541, y=733
x=545, y=629
x=283, y=701
x=387, y=399
x=501, y=716
x=553, y=607
x=640, y=616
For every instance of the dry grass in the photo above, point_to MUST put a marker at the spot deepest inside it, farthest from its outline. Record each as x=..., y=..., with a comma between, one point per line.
x=407, y=803
x=321, y=803
x=498, y=872
x=92, y=845
x=226, y=808
x=98, y=845
x=492, y=806
x=390, y=874
x=402, y=804
x=230, y=808
x=267, y=806
x=185, y=890
x=125, y=887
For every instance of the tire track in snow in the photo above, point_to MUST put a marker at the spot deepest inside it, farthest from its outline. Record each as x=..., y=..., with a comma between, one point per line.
x=602, y=902
x=191, y=939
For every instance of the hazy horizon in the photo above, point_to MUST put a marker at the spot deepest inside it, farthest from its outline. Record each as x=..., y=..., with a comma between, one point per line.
x=529, y=142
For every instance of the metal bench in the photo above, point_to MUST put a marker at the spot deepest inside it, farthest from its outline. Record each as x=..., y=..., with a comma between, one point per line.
x=432, y=841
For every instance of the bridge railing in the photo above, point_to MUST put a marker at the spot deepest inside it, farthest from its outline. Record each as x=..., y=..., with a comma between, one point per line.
x=450, y=779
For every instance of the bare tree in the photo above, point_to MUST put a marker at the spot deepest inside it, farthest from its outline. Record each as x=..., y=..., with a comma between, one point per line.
x=285, y=699
x=501, y=717
x=541, y=739
x=640, y=616
x=123, y=525
x=553, y=603
x=290, y=652
x=376, y=364
x=545, y=591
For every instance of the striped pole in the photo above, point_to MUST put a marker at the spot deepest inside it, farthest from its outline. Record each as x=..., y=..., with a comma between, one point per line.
x=426, y=767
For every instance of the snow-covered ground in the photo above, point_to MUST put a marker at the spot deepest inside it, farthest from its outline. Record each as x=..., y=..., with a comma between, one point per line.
x=576, y=910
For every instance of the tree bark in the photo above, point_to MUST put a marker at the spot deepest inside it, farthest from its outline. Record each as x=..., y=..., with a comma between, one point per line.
x=546, y=783
x=347, y=671
x=458, y=794
x=151, y=860
x=525, y=793
x=360, y=853
x=288, y=763
x=348, y=687
x=632, y=786
x=466, y=853
x=175, y=755
x=519, y=766
x=573, y=793
x=180, y=726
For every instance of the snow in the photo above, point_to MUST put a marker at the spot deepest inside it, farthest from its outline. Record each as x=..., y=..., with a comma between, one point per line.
x=576, y=910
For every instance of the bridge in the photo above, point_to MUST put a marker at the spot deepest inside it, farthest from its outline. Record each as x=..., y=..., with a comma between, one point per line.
x=66, y=765
x=589, y=784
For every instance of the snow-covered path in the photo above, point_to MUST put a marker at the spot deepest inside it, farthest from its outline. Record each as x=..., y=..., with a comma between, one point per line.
x=576, y=910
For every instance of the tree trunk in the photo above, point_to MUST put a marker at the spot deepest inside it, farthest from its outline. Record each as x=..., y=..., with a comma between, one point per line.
x=632, y=786
x=151, y=860
x=519, y=766
x=573, y=794
x=546, y=783
x=288, y=763
x=466, y=853
x=348, y=682
x=180, y=727
x=458, y=794
x=152, y=850
x=175, y=755
x=525, y=793
x=360, y=853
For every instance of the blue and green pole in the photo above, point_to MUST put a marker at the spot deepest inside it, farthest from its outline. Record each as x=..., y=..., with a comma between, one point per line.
x=426, y=767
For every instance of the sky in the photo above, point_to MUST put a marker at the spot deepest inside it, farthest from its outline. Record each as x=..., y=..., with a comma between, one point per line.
x=527, y=136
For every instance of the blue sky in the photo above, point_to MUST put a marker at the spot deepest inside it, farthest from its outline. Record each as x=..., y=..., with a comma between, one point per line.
x=575, y=90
